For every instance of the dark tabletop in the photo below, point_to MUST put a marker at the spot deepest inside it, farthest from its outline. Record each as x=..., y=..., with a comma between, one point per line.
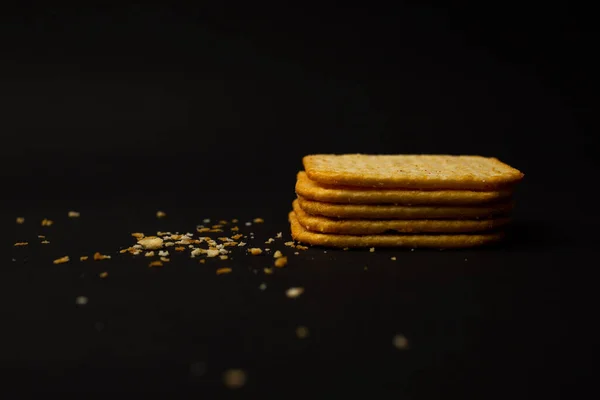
x=118, y=116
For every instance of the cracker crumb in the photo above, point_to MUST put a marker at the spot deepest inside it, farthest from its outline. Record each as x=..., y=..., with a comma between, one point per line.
x=169, y=244
x=103, y=274
x=269, y=241
x=45, y=242
x=237, y=237
x=294, y=292
x=202, y=261
x=289, y=244
x=18, y=244
x=20, y=220
x=99, y=256
x=47, y=222
x=212, y=253
x=258, y=220
x=61, y=260
x=255, y=251
x=81, y=300
x=279, y=235
x=155, y=264
x=262, y=286
x=393, y=258
x=83, y=258
x=412, y=249
x=234, y=378
x=41, y=237
x=165, y=259
x=206, y=220
x=296, y=253
x=202, y=229
x=268, y=271
x=74, y=214
x=281, y=262
x=223, y=257
x=277, y=254
x=151, y=242
x=300, y=247
x=302, y=332
x=161, y=214
x=400, y=342
x=196, y=252
x=242, y=244
x=248, y=223
x=163, y=253
x=149, y=254
x=138, y=235
x=372, y=250
x=221, y=271
x=235, y=221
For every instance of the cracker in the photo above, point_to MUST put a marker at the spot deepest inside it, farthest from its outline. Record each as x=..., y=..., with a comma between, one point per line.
x=312, y=190
x=411, y=171
x=300, y=234
x=320, y=224
x=392, y=211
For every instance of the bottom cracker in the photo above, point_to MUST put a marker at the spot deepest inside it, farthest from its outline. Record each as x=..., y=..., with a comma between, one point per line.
x=300, y=234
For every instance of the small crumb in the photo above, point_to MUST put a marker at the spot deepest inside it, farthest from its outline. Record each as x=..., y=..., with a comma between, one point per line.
x=99, y=256
x=20, y=220
x=18, y=244
x=74, y=214
x=400, y=342
x=206, y=220
x=169, y=244
x=221, y=271
x=412, y=249
x=248, y=223
x=289, y=244
x=163, y=253
x=155, y=264
x=302, y=332
x=41, y=237
x=466, y=259
x=324, y=251
x=237, y=237
x=81, y=300
x=268, y=271
x=372, y=250
x=149, y=254
x=346, y=248
x=242, y=244
x=47, y=222
x=138, y=235
x=294, y=292
x=235, y=228
x=45, y=242
x=277, y=254
x=212, y=253
x=196, y=252
x=366, y=268
x=179, y=248
x=202, y=261
x=255, y=251
x=300, y=247
x=161, y=214
x=258, y=220
x=279, y=235
x=61, y=260
x=165, y=259
x=151, y=243
x=393, y=258
x=103, y=274
x=234, y=378
x=235, y=220
x=296, y=253
x=281, y=262
x=223, y=257
x=269, y=241
x=262, y=286
x=83, y=258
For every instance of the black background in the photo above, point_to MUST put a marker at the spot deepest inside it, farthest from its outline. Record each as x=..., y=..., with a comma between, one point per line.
x=207, y=112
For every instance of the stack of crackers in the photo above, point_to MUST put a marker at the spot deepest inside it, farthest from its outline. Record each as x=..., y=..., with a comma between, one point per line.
x=435, y=201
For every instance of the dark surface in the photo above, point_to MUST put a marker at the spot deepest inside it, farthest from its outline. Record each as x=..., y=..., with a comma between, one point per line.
x=203, y=114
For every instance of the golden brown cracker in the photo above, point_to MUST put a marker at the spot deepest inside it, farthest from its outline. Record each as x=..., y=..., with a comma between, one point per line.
x=391, y=211
x=420, y=171
x=312, y=190
x=441, y=241
x=321, y=224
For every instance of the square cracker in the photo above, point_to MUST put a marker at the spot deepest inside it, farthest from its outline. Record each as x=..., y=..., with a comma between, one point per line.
x=442, y=241
x=312, y=190
x=419, y=171
x=316, y=223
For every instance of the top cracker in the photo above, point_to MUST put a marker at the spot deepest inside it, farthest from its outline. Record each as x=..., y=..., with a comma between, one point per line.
x=411, y=171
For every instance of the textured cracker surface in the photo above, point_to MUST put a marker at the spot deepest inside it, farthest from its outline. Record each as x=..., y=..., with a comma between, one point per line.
x=370, y=227
x=312, y=190
x=300, y=234
x=411, y=171
x=376, y=211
